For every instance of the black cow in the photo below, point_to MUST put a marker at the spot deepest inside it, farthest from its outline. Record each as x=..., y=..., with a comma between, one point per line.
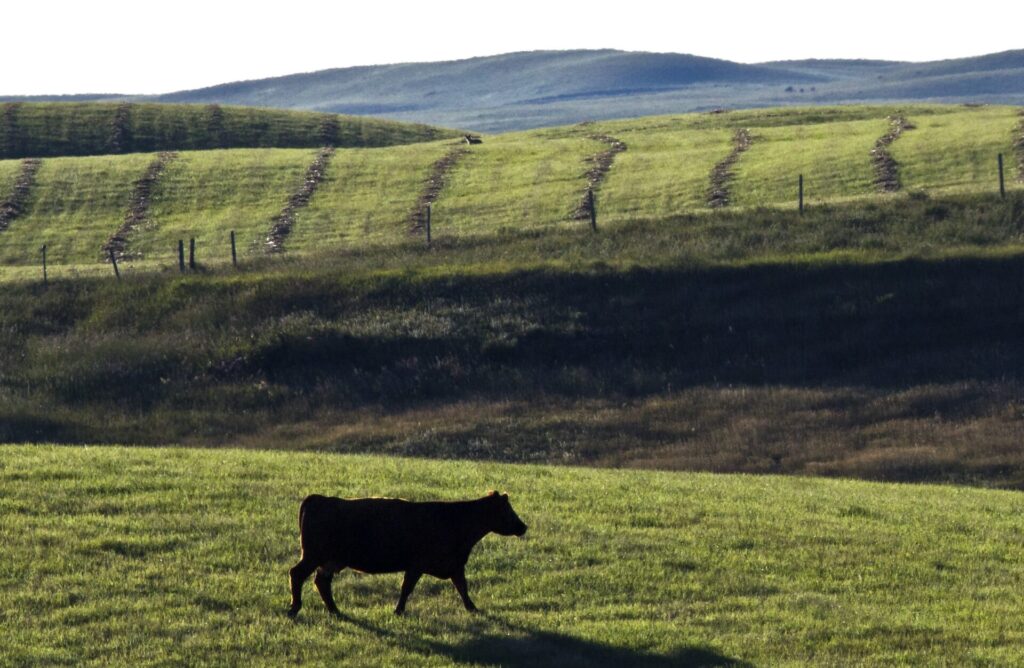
x=379, y=535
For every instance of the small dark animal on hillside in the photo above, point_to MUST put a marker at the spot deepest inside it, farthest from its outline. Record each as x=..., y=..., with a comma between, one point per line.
x=473, y=139
x=390, y=535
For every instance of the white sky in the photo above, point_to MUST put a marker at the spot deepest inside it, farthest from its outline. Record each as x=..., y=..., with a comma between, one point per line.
x=57, y=46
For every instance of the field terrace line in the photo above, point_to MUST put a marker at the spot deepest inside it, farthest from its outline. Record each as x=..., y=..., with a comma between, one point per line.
x=14, y=205
x=722, y=174
x=887, y=173
x=283, y=222
x=215, y=125
x=600, y=165
x=138, y=207
x=121, y=129
x=434, y=184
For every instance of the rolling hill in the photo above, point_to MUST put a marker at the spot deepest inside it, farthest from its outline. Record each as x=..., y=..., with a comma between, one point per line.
x=50, y=129
x=704, y=323
x=535, y=89
x=524, y=90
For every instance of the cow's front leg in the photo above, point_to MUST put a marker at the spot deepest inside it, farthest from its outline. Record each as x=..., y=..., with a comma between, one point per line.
x=299, y=573
x=408, y=584
x=459, y=580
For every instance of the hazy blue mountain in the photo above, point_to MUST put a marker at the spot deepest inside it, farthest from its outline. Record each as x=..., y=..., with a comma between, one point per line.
x=533, y=89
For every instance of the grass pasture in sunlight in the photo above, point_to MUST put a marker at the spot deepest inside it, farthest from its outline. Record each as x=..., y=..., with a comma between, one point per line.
x=206, y=194
x=957, y=151
x=147, y=556
x=76, y=204
x=523, y=183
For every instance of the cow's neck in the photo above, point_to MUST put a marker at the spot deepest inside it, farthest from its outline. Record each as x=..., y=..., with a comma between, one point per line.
x=478, y=526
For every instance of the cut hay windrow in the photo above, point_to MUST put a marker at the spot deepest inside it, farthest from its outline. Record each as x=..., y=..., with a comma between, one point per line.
x=722, y=173
x=600, y=165
x=138, y=207
x=14, y=205
x=433, y=186
x=887, y=175
x=283, y=222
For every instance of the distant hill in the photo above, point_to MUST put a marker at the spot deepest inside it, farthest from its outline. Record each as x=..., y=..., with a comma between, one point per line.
x=48, y=129
x=546, y=88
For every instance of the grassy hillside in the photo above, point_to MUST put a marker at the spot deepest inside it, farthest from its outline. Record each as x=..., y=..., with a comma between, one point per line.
x=366, y=199
x=137, y=556
x=766, y=343
x=76, y=205
x=519, y=91
x=206, y=194
x=83, y=128
x=515, y=183
x=956, y=152
x=874, y=336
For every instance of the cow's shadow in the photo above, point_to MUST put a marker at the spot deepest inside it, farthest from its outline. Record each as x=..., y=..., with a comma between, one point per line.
x=515, y=646
x=539, y=648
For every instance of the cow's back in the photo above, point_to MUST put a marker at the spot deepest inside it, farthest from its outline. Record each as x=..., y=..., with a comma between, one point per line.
x=374, y=535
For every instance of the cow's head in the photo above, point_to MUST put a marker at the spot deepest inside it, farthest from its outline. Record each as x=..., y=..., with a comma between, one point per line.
x=506, y=522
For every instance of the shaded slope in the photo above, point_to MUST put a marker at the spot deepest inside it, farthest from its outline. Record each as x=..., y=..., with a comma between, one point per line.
x=74, y=129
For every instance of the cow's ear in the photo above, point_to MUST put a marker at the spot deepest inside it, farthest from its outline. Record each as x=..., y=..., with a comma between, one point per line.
x=493, y=492
x=504, y=496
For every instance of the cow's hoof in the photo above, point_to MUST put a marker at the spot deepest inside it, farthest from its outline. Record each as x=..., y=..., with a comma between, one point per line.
x=293, y=613
x=399, y=612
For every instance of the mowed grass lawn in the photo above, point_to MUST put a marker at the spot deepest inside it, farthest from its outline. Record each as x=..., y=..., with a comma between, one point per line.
x=119, y=556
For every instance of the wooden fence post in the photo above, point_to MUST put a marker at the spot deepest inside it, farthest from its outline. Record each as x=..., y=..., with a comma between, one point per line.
x=192, y=253
x=234, y=257
x=800, y=188
x=45, y=278
x=593, y=209
x=1002, y=182
x=113, y=261
x=181, y=255
x=428, y=224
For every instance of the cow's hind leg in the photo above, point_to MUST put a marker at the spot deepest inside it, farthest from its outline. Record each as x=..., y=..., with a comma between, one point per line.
x=322, y=580
x=299, y=573
x=408, y=584
x=459, y=580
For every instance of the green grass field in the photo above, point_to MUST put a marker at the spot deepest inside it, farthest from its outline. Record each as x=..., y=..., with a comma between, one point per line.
x=527, y=181
x=519, y=183
x=665, y=167
x=365, y=199
x=76, y=205
x=957, y=152
x=116, y=556
x=9, y=170
x=206, y=194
